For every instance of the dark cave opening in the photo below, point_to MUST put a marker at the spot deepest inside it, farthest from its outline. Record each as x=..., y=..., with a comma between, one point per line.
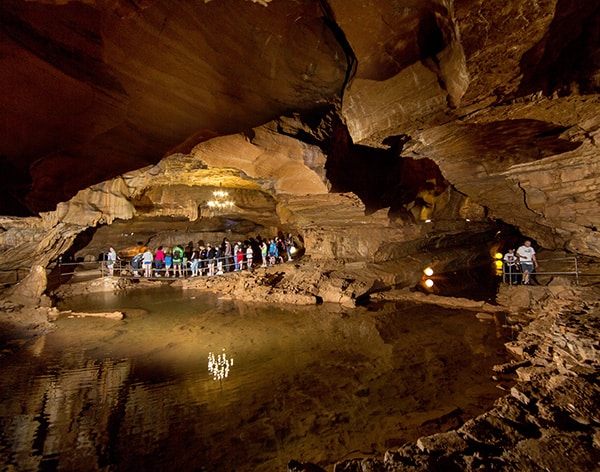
x=465, y=265
x=380, y=177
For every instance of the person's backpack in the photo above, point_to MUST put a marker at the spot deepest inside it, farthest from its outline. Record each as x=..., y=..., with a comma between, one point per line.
x=177, y=254
x=135, y=262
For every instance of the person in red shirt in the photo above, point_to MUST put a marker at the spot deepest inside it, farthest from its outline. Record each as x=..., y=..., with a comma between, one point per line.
x=239, y=256
x=159, y=260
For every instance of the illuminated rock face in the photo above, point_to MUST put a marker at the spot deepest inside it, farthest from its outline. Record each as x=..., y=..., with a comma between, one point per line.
x=99, y=88
x=350, y=122
x=444, y=109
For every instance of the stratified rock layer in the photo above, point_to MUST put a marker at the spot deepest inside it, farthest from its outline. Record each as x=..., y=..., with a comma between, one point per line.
x=533, y=165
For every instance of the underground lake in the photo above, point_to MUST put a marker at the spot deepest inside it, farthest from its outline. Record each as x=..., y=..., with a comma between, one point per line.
x=313, y=383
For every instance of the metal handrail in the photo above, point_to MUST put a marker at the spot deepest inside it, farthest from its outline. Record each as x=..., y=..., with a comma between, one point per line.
x=121, y=266
x=575, y=272
x=125, y=265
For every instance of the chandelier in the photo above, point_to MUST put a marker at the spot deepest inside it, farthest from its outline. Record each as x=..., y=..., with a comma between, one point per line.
x=220, y=200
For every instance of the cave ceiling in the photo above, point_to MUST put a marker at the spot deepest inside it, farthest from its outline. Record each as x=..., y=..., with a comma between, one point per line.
x=389, y=100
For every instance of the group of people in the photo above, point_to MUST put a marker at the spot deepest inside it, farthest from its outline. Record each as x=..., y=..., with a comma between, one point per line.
x=519, y=265
x=212, y=259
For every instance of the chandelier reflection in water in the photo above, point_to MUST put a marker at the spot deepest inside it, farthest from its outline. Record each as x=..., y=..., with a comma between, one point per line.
x=219, y=366
x=220, y=200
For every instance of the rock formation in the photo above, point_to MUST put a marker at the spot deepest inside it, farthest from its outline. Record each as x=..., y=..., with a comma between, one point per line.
x=401, y=105
x=398, y=103
x=384, y=135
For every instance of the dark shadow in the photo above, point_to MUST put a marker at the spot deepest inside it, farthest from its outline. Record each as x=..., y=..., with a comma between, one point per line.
x=379, y=177
x=567, y=55
x=62, y=271
x=465, y=265
x=501, y=144
x=14, y=183
x=430, y=38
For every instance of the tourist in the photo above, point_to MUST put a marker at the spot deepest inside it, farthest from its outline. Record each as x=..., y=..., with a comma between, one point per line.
x=289, y=244
x=511, y=267
x=219, y=258
x=202, y=263
x=168, y=263
x=177, y=261
x=236, y=249
x=528, y=261
x=226, y=252
x=280, y=250
x=239, y=257
x=249, y=256
x=263, y=253
x=147, y=263
x=194, y=261
x=111, y=259
x=135, y=264
x=273, y=253
x=211, y=255
x=184, y=264
x=159, y=260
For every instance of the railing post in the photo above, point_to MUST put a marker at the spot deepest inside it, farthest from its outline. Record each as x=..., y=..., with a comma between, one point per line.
x=576, y=271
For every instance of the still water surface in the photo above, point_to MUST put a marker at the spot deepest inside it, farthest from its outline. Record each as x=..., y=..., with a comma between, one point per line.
x=318, y=383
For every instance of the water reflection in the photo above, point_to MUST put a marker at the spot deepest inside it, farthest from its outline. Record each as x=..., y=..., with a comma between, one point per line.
x=219, y=366
x=312, y=383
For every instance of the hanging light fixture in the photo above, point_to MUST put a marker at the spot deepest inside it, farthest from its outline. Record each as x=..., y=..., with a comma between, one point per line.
x=220, y=200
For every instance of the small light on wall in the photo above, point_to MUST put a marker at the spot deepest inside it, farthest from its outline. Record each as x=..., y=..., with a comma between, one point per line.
x=428, y=271
x=429, y=283
x=428, y=221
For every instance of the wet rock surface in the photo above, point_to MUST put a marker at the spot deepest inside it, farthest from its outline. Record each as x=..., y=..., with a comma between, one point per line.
x=429, y=117
x=379, y=99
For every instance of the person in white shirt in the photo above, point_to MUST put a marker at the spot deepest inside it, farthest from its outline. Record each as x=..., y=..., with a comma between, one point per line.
x=249, y=256
x=527, y=259
x=147, y=259
x=511, y=267
x=111, y=258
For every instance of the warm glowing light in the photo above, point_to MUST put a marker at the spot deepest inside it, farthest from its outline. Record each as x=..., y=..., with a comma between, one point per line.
x=293, y=249
x=220, y=194
x=220, y=200
x=427, y=221
x=219, y=366
x=498, y=255
x=429, y=283
x=428, y=271
x=498, y=264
